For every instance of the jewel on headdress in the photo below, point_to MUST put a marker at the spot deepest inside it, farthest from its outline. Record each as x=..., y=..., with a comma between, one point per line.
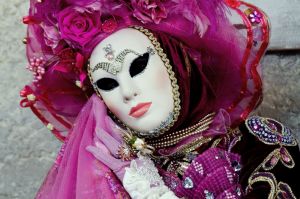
x=109, y=52
x=78, y=83
x=50, y=126
x=255, y=17
x=109, y=25
x=25, y=40
x=31, y=97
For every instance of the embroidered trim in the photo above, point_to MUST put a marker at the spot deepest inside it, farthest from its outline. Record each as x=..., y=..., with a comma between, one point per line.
x=263, y=177
x=268, y=164
x=283, y=190
x=279, y=190
x=272, y=159
x=270, y=131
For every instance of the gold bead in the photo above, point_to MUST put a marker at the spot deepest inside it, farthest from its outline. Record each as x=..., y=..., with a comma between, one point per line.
x=25, y=40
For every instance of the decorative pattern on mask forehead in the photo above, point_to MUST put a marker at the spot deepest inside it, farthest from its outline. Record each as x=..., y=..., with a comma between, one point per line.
x=116, y=66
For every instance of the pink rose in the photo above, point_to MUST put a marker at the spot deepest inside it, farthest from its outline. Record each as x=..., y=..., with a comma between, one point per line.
x=149, y=10
x=79, y=24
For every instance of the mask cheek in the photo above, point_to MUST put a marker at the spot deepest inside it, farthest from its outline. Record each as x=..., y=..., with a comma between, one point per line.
x=162, y=81
x=114, y=103
x=116, y=109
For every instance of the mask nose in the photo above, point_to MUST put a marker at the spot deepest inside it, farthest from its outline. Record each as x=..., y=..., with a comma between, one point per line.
x=129, y=90
x=127, y=98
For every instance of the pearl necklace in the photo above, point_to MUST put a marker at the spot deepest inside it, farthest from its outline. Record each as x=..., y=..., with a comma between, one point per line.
x=177, y=136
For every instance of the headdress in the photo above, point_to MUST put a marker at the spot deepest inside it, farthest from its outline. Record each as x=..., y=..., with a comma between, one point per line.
x=220, y=42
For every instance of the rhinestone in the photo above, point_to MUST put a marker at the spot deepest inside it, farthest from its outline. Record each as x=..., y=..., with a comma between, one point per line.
x=188, y=183
x=173, y=185
x=208, y=195
x=238, y=191
x=236, y=166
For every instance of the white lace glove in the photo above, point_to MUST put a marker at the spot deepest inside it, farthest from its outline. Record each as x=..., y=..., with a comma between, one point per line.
x=142, y=181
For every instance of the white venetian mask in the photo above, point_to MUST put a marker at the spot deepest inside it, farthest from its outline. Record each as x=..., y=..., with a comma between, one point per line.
x=133, y=81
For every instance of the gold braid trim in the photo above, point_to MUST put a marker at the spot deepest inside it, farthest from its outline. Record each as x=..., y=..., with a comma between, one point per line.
x=260, y=177
x=276, y=189
x=175, y=87
x=256, y=176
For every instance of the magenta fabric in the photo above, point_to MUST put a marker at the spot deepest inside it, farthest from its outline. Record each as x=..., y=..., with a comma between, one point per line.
x=76, y=174
x=211, y=171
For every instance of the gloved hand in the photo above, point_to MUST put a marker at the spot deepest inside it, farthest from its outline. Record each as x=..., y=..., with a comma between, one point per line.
x=213, y=174
x=138, y=174
x=106, y=147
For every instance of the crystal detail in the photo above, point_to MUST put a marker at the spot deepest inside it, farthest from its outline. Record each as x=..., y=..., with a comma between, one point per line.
x=173, y=185
x=238, y=191
x=198, y=167
x=188, y=183
x=208, y=195
x=150, y=50
x=109, y=52
x=163, y=124
x=270, y=131
x=191, y=156
x=236, y=166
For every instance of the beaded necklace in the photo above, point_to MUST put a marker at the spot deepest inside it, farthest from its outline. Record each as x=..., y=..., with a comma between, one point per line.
x=177, y=136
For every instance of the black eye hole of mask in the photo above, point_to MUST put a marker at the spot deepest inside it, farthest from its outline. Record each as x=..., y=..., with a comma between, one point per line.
x=139, y=64
x=107, y=84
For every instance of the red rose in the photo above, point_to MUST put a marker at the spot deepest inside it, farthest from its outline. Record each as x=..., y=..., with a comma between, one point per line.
x=79, y=24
